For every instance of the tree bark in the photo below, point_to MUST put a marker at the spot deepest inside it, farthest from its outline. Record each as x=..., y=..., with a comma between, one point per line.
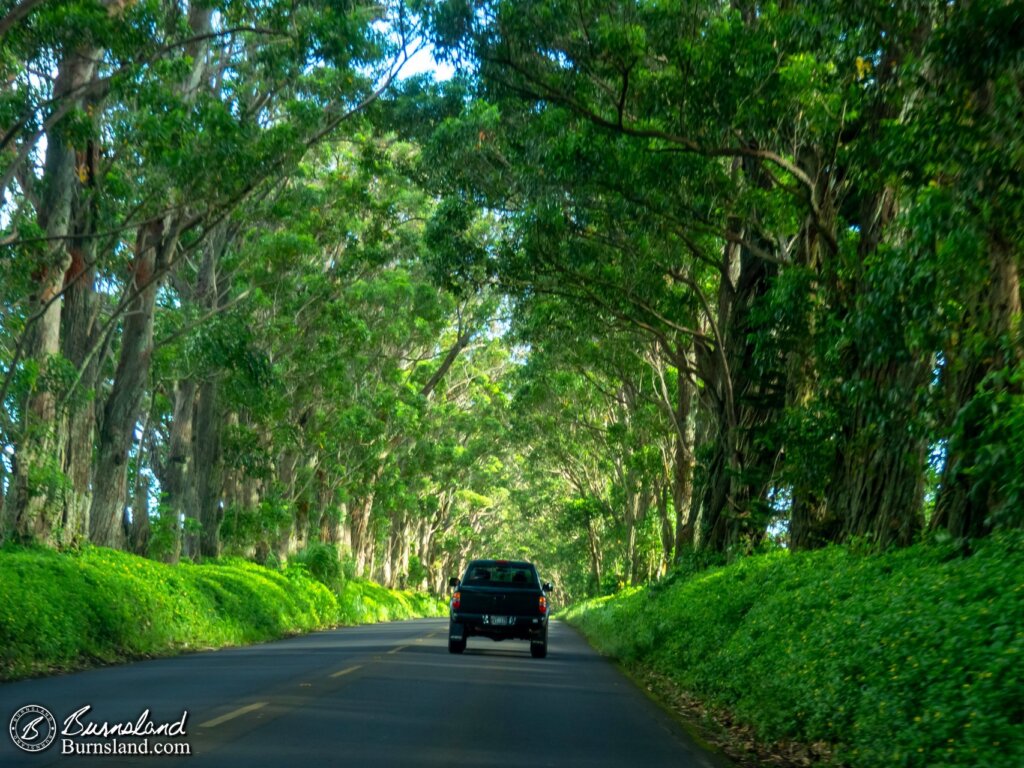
x=405, y=544
x=78, y=335
x=742, y=403
x=155, y=244
x=30, y=510
x=208, y=469
x=398, y=546
x=877, y=486
x=811, y=523
x=362, y=538
x=121, y=412
x=139, y=529
x=665, y=529
x=284, y=536
x=176, y=484
x=596, y=557
x=682, y=465
x=966, y=500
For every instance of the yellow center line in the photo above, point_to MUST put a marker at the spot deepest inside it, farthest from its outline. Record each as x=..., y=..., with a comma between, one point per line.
x=232, y=715
x=396, y=650
x=345, y=671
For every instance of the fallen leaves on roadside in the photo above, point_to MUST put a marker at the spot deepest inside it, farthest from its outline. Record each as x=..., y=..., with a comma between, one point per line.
x=719, y=729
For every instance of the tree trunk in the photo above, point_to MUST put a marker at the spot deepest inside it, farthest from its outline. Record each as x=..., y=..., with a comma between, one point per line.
x=139, y=528
x=965, y=500
x=155, y=244
x=666, y=529
x=682, y=465
x=78, y=335
x=811, y=523
x=429, y=557
x=743, y=401
x=387, y=563
x=32, y=510
x=345, y=529
x=638, y=502
x=207, y=471
x=302, y=523
x=362, y=537
x=594, y=548
x=121, y=412
x=878, y=483
x=250, y=497
x=398, y=550
x=405, y=541
x=176, y=484
x=331, y=513
x=371, y=568
x=206, y=467
x=284, y=536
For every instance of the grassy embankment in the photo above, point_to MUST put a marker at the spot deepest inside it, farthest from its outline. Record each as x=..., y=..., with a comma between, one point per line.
x=912, y=658
x=63, y=611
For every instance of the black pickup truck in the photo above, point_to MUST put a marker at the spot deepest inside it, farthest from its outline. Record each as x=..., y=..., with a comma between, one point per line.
x=499, y=599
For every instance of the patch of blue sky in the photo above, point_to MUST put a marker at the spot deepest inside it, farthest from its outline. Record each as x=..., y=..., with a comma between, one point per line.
x=422, y=62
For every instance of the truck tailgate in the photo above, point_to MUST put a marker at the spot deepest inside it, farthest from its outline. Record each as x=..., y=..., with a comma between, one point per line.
x=499, y=602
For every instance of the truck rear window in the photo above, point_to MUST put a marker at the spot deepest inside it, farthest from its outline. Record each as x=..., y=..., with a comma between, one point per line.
x=500, y=575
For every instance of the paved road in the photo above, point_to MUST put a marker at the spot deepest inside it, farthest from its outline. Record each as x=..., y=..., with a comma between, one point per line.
x=383, y=695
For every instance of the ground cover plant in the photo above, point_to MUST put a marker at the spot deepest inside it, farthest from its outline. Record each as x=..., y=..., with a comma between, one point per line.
x=911, y=658
x=65, y=611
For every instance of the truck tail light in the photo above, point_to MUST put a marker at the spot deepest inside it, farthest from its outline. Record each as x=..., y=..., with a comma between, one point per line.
x=543, y=605
x=457, y=601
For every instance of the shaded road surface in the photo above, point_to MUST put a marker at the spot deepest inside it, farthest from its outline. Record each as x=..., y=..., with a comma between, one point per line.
x=382, y=695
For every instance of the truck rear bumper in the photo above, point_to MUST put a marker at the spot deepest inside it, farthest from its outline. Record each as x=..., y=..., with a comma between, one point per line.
x=463, y=625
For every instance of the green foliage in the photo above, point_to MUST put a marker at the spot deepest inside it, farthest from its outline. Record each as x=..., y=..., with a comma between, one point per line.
x=163, y=534
x=998, y=467
x=67, y=610
x=322, y=563
x=729, y=251
x=417, y=571
x=46, y=478
x=364, y=602
x=72, y=610
x=911, y=658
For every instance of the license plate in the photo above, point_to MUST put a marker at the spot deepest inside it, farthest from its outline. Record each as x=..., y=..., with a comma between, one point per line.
x=500, y=621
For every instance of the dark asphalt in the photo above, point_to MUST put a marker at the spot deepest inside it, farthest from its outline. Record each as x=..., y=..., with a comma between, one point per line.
x=382, y=695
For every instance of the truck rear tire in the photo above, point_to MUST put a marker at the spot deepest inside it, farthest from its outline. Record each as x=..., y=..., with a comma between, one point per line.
x=540, y=649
